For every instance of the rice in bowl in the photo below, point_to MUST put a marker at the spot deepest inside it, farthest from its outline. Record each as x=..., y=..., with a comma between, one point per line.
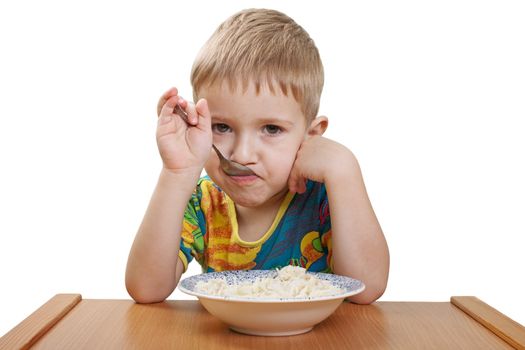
x=288, y=282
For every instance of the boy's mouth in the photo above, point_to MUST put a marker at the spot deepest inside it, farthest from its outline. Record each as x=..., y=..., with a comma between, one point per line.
x=244, y=179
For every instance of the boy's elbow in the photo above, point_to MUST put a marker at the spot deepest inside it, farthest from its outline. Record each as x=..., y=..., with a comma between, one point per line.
x=146, y=290
x=145, y=295
x=368, y=296
x=364, y=298
x=144, y=298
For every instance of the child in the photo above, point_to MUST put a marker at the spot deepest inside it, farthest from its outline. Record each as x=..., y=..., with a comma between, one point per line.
x=258, y=81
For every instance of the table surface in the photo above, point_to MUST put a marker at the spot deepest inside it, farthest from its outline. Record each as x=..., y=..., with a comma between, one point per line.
x=69, y=322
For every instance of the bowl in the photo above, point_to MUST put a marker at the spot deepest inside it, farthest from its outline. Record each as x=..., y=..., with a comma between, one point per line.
x=270, y=316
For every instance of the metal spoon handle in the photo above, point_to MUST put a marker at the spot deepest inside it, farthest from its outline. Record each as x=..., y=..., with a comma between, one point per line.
x=181, y=113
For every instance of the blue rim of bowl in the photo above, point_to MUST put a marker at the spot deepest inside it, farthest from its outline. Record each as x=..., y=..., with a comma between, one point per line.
x=349, y=285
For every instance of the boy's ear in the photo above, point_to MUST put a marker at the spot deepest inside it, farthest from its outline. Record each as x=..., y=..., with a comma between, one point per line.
x=318, y=126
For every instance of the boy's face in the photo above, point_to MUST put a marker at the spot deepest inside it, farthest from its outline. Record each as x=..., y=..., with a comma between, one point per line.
x=262, y=131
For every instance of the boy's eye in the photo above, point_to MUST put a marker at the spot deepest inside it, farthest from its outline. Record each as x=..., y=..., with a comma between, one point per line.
x=272, y=129
x=220, y=128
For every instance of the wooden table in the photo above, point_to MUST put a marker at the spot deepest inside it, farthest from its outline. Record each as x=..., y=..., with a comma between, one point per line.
x=68, y=322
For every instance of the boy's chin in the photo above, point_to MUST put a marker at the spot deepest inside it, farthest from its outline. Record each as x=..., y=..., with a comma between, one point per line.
x=248, y=202
x=254, y=201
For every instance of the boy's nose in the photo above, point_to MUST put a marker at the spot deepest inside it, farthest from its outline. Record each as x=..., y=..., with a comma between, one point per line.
x=243, y=151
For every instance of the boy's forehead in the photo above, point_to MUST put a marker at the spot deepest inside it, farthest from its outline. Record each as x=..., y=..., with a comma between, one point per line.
x=237, y=92
x=227, y=101
x=241, y=88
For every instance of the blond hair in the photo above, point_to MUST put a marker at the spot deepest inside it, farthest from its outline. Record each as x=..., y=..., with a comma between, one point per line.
x=266, y=48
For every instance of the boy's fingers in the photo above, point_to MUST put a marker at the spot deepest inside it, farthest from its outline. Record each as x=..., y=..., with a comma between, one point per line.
x=165, y=97
x=169, y=105
x=190, y=110
x=204, y=112
x=202, y=108
x=165, y=125
x=302, y=185
x=296, y=182
x=292, y=181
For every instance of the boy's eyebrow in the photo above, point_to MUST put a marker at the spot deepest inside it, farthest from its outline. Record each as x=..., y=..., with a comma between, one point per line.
x=259, y=120
x=275, y=121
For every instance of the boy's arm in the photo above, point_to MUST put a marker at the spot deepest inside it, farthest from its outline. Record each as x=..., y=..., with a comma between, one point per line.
x=359, y=247
x=154, y=267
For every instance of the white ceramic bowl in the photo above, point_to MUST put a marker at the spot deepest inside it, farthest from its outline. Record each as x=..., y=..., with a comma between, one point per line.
x=270, y=316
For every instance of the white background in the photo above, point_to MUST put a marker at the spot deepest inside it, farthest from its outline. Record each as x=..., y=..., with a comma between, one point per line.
x=429, y=95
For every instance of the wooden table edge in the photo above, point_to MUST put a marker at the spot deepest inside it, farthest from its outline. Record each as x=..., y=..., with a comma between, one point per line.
x=498, y=323
x=27, y=332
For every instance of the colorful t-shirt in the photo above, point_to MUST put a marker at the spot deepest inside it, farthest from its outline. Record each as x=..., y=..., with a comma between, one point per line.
x=300, y=234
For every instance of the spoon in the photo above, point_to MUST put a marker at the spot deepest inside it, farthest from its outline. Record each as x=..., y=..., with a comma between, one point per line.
x=228, y=166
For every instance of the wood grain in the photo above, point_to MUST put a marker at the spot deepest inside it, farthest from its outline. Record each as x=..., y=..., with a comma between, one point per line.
x=122, y=324
x=39, y=322
x=507, y=329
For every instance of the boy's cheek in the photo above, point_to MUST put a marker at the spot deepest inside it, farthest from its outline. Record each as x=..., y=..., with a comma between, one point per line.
x=286, y=169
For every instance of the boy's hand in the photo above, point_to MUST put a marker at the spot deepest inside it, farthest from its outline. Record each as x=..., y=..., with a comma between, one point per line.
x=317, y=159
x=183, y=147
